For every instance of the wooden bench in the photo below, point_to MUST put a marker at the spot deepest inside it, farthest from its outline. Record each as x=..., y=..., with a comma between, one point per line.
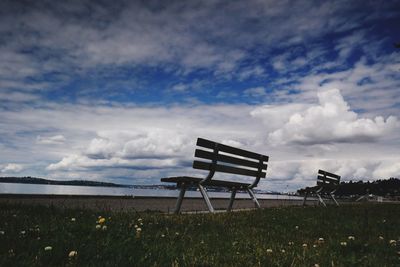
x=327, y=184
x=222, y=158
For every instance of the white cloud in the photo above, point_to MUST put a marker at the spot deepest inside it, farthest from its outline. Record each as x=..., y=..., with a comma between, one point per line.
x=254, y=71
x=51, y=140
x=132, y=144
x=258, y=92
x=331, y=121
x=387, y=169
x=12, y=168
x=180, y=87
x=18, y=97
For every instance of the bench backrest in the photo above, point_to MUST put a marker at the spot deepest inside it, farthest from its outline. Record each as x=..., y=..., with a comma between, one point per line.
x=327, y=178
x=228, y=159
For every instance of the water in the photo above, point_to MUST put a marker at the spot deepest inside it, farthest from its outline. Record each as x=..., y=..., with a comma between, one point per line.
x=39, y=189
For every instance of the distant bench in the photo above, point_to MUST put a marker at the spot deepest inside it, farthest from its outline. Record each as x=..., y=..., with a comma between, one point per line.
x=327, y=184
x=226, y=159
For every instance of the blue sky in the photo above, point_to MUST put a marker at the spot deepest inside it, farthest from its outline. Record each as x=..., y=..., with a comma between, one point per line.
x=120, y=91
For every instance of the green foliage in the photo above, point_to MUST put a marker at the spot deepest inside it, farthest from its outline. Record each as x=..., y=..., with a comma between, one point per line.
x=292, y=236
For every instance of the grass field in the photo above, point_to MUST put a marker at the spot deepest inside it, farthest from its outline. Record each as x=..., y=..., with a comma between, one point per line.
x=362, y=235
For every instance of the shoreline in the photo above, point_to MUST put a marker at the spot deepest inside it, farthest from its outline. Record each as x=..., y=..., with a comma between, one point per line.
x=141, y=203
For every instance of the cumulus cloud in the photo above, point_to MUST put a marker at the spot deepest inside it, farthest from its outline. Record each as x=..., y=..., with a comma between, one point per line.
x=12, y=168
x=131, y=144
x=390, y=168
x=50, y=140
x=331, y=121
x=153, y=143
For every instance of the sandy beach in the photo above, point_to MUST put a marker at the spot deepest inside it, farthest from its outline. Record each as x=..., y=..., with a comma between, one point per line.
x=126, y=203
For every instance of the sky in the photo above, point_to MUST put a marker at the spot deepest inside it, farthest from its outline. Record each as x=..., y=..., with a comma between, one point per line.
x=119, y=91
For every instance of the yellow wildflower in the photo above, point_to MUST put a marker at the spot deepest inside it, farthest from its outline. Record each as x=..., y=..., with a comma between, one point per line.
x=102, y=220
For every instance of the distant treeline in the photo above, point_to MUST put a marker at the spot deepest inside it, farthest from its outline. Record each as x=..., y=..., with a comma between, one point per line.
x=35, y=180
x=388, y=187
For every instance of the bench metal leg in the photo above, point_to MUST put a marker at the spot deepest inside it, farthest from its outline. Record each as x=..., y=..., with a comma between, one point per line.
x=233, y=194
x=305, y=198
x=206, y=198
x=321, y=200
x=253, y=197
x=333, y=198
x=180, y=199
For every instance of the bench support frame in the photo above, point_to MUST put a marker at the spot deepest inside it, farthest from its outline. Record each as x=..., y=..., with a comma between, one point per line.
x=180, y=198
x=206, y=198
x=233, y=194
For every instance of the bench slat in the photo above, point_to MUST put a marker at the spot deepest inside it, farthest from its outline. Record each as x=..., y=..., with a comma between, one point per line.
x=228, y=169
x=328, y=179
x=322, y=172
x=228, y=159
x=231, y=150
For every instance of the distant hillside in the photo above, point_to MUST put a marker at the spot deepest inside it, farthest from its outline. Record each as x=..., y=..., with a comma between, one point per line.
x=35, y=180
x=388, y=187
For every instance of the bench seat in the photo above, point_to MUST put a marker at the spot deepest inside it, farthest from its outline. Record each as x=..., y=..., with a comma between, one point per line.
x=195, y=180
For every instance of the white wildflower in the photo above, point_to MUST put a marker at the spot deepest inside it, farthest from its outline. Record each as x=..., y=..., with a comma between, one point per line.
x=73, y=253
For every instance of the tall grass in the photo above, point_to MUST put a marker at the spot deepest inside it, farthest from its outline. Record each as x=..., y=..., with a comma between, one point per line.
x=362, y=235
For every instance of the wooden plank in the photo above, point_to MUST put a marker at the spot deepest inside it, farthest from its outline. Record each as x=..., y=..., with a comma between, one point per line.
x=329, y=179
x=228, y=159
x=231, y=150
x=322, y=172
x=228, y=169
